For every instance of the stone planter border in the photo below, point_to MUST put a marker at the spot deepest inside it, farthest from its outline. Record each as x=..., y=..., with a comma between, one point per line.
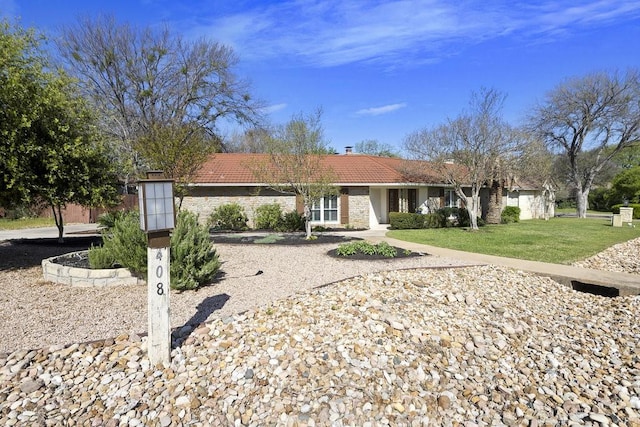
x=86, y=277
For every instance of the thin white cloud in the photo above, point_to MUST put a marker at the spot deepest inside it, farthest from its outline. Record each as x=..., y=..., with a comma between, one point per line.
x=331, y=33
x=273, y=108
x=376, y=111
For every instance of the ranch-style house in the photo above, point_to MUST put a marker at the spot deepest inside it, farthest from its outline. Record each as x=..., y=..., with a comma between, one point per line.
x=370, y=187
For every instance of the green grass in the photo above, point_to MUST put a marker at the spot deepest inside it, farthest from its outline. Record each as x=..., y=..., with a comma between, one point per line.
x=17, y=224
x=559, y=240
x=269, y=239
x=573, y=211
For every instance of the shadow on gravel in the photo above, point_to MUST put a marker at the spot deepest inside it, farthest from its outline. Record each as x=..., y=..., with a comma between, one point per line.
x=26, y=253
x=203, y=310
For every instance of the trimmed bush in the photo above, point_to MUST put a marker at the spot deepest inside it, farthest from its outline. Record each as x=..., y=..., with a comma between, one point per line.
x=510, y=214
x=194, y=261
x=230, y=216
x=439, y=219
x=268, y=217
x=405, y=220
x=435, y=220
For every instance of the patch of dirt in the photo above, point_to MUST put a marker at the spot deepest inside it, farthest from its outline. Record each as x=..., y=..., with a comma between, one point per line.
x=26, y=253
x=78, y=260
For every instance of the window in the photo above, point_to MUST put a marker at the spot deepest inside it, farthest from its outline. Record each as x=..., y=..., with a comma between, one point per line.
x=450, y=199
x=325, y=210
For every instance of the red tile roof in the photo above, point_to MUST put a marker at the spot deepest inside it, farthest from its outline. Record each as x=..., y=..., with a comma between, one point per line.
x=235, y=169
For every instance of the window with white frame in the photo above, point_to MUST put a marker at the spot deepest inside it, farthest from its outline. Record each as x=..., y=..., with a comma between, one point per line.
x=450, y=199
x=325, y=210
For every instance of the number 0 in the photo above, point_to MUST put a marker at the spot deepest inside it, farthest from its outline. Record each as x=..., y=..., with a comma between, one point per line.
x=159, y=271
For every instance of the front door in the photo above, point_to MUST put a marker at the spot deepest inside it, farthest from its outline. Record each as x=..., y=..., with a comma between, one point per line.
x=394, y=200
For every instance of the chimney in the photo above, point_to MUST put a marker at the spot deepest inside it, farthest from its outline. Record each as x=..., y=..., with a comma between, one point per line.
x=348, y=149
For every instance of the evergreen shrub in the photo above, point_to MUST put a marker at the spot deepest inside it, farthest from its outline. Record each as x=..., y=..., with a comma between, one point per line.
x=291, y=221
x=510, y=214
x=268, y=217
x=405, y=220
x=434, y=220
x=99, y=257
x=107, y=220
x=125, y=243
x=230, y=216
x=194, y=260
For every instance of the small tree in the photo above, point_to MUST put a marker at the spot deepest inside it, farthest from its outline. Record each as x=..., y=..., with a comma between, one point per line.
x=469, y=150
x=51, y=150
x=626, y=186
x=295, y=163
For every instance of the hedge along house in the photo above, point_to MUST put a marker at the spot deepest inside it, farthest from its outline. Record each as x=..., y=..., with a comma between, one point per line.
x=369, y=188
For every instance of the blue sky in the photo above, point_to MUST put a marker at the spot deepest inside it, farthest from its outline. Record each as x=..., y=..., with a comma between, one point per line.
x=382, y=69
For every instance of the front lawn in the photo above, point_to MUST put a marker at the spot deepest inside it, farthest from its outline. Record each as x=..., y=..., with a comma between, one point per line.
x=559, y=240
x=17, y=224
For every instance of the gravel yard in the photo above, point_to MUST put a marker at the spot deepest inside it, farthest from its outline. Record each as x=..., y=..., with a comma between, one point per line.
x=384, y=346
x=36, y=313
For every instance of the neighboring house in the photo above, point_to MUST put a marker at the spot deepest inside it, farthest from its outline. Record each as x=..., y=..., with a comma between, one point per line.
x=370, y=187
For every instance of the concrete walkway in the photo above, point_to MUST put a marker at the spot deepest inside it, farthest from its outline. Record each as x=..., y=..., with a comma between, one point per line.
x=597, y=281
x=49, y=232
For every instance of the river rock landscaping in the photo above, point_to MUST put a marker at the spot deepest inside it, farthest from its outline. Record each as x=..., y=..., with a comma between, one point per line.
x=456, y=346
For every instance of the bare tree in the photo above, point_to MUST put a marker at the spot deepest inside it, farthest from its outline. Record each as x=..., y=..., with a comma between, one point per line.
x=254, y=140
x=470, y=150
x=296, y=162
x=375, y=148
x=142, y=80
x=589, y=120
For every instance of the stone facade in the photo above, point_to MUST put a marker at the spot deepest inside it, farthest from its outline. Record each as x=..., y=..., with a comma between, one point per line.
x=367, y=206
x=203, y=200
x=359, y=207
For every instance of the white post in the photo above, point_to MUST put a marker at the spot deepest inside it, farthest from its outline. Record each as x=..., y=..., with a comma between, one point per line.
x=159, y=340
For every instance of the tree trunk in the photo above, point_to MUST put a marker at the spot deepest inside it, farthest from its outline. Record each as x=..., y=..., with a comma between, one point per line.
x=494, y=208
x=473, y=219
x=472, y=208
x=57, y=216
x=582, y=202
x=548, y=199
x=307, y=221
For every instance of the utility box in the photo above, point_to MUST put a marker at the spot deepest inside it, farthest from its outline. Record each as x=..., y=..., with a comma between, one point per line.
x=626, y=214
x=616, y=220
